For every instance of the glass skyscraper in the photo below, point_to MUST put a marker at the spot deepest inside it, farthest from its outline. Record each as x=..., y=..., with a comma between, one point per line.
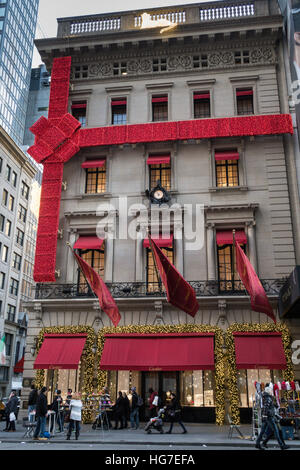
x=17, y=30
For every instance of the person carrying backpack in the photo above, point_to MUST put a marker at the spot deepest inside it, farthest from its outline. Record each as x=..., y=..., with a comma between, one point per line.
x=136, y=402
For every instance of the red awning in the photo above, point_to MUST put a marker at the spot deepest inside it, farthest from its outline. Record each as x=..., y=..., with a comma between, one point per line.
x=157, y=159
x=159, y=99
x=119, y=102
x=88, y=243
x=201, y=96
x=226, y=155
x=93, y=163
x=161, y=242
x=172, y=351
x=60, y=351
x=225, y=237
x=244, y=92
x=78, y=106
x=19, y=367
x=259, y=350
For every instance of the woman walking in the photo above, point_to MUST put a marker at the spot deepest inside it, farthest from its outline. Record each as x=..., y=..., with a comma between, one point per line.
x=75, y=416
x=174, y=413
x=11, y=412
x=119, y=411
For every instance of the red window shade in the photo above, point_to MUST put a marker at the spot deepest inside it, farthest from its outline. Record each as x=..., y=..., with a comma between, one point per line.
x=88, y=243
x=93, y=163
x=19, y=367
x=159, y=99
x=172, y=351
x=244, y=92
x=225, y=237
x=120, y=102
x=226, y=155
x=60, y=351
x=158, y=159
x=259, y=350
x=201, y=96
x=161, y=242
x=78, y=106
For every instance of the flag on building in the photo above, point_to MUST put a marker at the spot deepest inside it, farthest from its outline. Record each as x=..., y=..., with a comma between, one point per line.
x=2, y=351
x=179, y=292
x=248, y=276
x=98, y=286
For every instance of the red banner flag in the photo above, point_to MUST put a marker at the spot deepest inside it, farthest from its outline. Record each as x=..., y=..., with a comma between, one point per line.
x=98, y=286
x=259, y=299
x=179, y=292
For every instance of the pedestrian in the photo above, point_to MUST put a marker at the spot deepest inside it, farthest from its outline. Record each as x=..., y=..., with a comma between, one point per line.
x=32, y=400
x=126, y=410
x=135, y=411
x=66, y=412
x=154, y=402
x=56, y=406
x=269, y=422
x=174, y=413
x=75, y=416
x=11, y=411
x=119, y=411
x=41, y=414
x=106, y=405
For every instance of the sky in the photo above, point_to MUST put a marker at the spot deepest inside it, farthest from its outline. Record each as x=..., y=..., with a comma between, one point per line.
x=50, y=10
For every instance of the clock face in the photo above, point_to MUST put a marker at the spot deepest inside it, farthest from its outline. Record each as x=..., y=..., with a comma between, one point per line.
x=158, y=194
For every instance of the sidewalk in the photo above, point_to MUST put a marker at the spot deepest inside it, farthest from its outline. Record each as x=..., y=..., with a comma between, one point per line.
x=198, y=435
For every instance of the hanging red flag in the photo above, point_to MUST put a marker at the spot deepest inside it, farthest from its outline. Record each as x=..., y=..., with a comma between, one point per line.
x=179, y=292
x=98, y=286
x=259, y=299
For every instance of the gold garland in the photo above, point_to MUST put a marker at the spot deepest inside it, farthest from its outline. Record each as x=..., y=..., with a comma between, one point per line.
x=89, y=361
x=231, y=364
x=219, y=357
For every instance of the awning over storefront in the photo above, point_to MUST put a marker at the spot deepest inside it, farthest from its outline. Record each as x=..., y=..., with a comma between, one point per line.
x=161, y=242
x=166, y=352
x=225, y=237
x=60, y=351
x=88, y=243
x=259, y=350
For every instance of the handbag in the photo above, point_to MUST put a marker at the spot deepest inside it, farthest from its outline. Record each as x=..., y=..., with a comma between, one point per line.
x=12, y=416
x=155, y=401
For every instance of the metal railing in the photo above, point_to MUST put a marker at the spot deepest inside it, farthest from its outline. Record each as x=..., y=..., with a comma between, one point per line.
x=153, y=289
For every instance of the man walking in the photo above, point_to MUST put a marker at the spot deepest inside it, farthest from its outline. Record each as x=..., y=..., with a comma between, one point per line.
x=32, y=400
x=41, y=413
x=269, y=420
x=134, y=414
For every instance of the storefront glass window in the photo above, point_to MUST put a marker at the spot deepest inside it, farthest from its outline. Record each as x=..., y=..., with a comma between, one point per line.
x=112, y=384
x=123, y=381
x=247, y=378
x=197, y=388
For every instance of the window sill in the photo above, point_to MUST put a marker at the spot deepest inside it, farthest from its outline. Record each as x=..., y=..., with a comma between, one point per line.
x=95, y=195
x=216, y=189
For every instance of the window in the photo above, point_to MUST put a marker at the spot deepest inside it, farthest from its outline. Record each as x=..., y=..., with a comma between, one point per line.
x=198, y=388
x=2, y=222
x=4, y=373
x=120, y=68
x=11, y=313
x=241, y=57
x=246, y=379
x=162, y=172
x=7, y=228
x=14, y=287
x=22, y=213
x=227, y=173
x=228, y=276
x=95, y=180
x=2, y=280
x=79, y=111
x=11, y=203
x=4, y=197
x=159, y=108
x=244, y=101
x=200, y=61
x=14, y=179
x=8, y=172
x=8, y=344
x=20, y=237
x=16, y=261
x=96, y=259
x=118, y=111
x=4, y=255
x=159, y=65
x=153, y=282
x=25, y=190
x=201, y=104
x=81, y=71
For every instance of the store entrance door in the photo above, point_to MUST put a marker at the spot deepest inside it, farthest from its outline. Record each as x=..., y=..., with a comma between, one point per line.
x=162, y=382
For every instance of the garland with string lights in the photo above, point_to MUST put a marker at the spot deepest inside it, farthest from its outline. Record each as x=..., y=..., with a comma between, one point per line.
x=231, y=364
x=89, y=360
x=218, y=351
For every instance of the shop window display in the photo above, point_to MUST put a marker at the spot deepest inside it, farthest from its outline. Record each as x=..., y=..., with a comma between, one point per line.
x=246, y=380
x=198, y=388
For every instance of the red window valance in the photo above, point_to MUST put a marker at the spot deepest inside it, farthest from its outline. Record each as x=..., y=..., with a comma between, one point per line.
x=78, y=106
x=259, y=350
x=161, y=242
x=88, y=243
x=60, y=351
x=120, y=102
x=230, y=155
x=159, y=99
x=93, y=163
x=158, y=159
x=201, y=96
x=172, y=351
x=244, y=92
x=225, y=237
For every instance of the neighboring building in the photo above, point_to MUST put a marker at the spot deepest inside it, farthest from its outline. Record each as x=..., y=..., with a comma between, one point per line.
x=17, y=30
x=203, y=108
x=16, y=176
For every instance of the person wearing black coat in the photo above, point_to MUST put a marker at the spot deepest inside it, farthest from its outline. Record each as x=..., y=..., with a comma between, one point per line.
x=11, y=407
x=174, y=413
x=119, y=411
x=32, y=399
x=126, y=410
x=41, y=413
x=56, y=406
